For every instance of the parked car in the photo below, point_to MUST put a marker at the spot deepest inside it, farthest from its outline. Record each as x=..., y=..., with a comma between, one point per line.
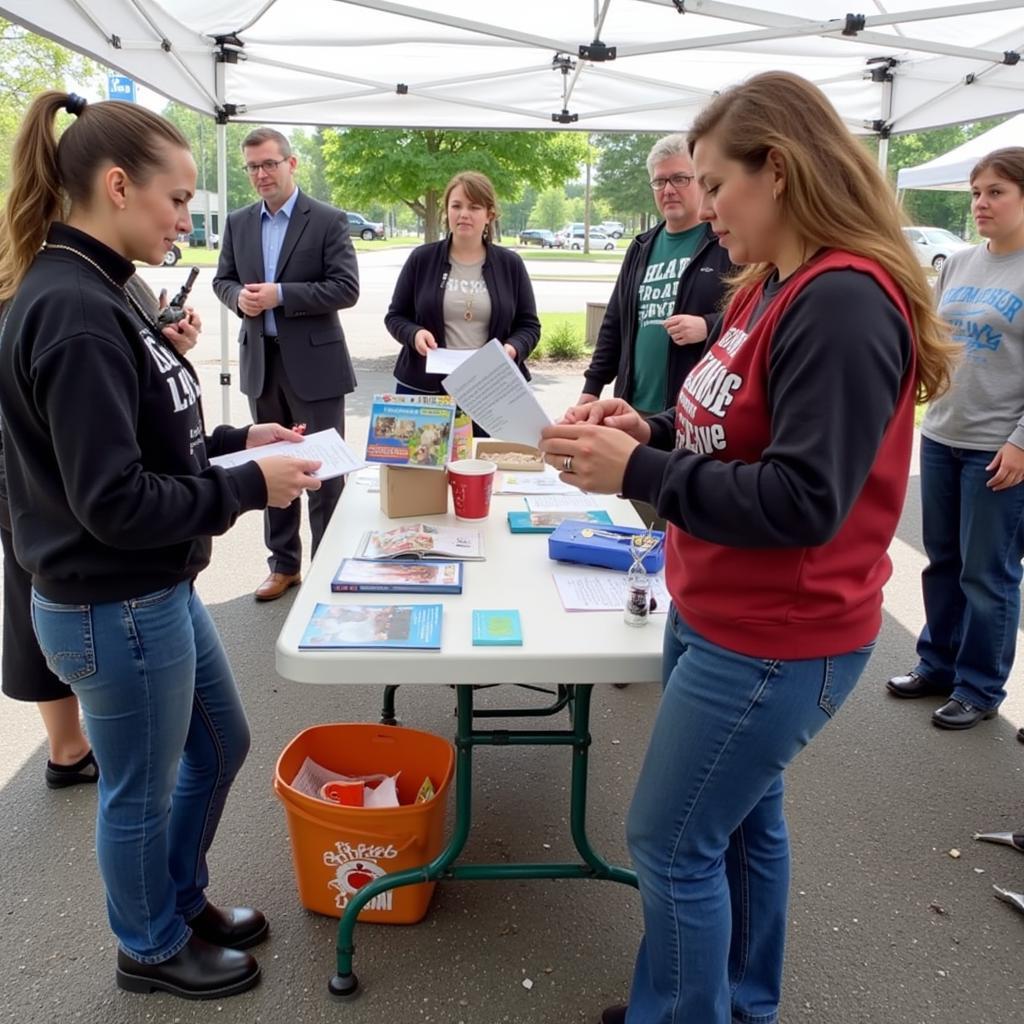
x=598, y=239
x=615, y=228
x=368, y=230
x=933, y=245
x=197, y=238
x=537, y=236
x=171, y=256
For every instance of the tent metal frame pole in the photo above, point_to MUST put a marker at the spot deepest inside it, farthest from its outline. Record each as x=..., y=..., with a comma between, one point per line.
x=222, y=206
x=883, y=135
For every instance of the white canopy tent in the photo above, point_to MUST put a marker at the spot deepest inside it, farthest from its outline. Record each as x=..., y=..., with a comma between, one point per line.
x=951, y=170
x=595, y=65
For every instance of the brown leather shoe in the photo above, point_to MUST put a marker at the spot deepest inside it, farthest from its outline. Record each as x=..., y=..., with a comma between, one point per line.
x=276, y=584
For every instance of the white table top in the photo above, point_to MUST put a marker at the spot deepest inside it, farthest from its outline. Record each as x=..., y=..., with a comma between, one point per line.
x=558, y=646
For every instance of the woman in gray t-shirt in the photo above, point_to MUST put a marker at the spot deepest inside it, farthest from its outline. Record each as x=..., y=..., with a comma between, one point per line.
x=972, y=464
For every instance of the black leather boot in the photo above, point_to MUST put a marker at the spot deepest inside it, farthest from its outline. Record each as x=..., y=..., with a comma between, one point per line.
x=234, y=927
x=912, y=685
x=197, y=971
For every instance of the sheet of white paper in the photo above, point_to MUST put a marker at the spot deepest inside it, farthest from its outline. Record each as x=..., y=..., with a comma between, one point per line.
x=444, y=360
x=385, y=795
x=597, y=590
x=490, y=388
x=546, y=482
x=326, y=446
x=575, y=502
x=368, y=478
x=312, y=777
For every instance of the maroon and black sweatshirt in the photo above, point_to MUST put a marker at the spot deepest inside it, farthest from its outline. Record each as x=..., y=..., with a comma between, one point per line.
x=792, y=440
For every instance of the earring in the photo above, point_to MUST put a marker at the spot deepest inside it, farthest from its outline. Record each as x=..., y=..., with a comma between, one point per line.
x=775, y=194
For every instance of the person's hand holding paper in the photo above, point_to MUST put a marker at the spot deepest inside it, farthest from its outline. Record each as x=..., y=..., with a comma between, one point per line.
x=492, y=390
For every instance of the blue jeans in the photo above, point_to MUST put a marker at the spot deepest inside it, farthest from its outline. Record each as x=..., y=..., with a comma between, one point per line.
x=706, y=829
x=166, y=722
x=974, y=540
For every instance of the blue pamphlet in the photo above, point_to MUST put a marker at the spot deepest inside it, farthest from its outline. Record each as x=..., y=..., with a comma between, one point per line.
x=411, y=430
x=338, y=627
x=546, y=521
x=497, y=628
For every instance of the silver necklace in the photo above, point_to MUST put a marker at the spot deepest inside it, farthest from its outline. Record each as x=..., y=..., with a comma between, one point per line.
x=92, y=263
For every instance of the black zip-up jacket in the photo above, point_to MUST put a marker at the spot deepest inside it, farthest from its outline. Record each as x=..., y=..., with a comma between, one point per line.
x=418, y=303
x=700, y=294
x=111, y=492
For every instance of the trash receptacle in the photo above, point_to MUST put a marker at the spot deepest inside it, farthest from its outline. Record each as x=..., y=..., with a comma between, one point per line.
x=337, y=850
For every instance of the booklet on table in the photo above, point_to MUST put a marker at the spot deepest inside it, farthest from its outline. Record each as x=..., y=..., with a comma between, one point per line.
x=397, y=577
x=339, y=627
x=411, y=430
x=422, y=540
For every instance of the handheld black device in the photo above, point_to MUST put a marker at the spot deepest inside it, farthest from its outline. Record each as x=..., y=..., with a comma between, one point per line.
x=175, y=310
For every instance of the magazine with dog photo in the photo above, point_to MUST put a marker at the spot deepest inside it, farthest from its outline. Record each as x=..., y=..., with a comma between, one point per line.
x=422, y=540
x=411, y=430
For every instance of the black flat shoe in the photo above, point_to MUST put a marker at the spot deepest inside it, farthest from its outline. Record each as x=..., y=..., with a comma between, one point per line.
x=84, y=771
x=913, y=685
x=234, y=928
x=197, y=971
x=614, y=1015
x=958, y=714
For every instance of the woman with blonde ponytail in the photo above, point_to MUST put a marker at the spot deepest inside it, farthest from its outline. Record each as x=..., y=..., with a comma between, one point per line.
x=781, y=470
x=112, y=505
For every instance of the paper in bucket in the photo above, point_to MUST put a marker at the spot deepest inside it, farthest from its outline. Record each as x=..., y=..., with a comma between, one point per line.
x=336, y=850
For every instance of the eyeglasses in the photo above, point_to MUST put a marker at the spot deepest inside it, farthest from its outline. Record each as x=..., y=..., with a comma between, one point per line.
x=268, y=166
x=675, y=180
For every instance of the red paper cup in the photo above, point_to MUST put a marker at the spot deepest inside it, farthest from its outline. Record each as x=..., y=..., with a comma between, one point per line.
x=471, y=481
x=348, y=794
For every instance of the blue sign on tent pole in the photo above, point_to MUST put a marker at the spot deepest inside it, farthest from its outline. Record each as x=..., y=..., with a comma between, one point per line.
x=120, y=87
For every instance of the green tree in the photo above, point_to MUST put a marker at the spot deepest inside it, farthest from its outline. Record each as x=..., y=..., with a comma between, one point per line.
x=412, y=166
x=622, y=179
x=30, y=64
x=309, y=147
x=201, y=132
x=550, y=211
x=515, y=213
x=938, y=208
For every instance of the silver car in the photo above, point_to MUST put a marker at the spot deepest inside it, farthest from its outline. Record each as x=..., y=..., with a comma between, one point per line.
x=933, y=245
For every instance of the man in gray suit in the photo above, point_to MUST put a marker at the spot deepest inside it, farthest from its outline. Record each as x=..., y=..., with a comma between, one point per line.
x=286, y=267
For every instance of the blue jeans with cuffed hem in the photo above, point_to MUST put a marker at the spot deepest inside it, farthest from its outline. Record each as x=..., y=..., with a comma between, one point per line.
x=166, y=723
x=974, y=539
x=706, y=829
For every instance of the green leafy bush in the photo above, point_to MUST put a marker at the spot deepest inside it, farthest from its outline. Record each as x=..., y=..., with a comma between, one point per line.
x=562, y=342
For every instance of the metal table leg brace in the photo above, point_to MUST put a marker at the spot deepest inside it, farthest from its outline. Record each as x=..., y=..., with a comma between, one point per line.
x=443, y=867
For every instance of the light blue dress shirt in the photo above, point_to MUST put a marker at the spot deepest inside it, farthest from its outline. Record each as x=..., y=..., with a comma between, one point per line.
x=272, y=232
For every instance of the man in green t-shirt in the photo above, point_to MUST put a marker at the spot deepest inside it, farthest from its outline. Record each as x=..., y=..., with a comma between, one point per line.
x=668, y=294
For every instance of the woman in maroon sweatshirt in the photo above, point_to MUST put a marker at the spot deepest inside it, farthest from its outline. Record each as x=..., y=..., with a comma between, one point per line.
x=782, y=471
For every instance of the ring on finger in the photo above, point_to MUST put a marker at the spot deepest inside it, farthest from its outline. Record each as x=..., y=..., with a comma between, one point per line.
x=567, y=464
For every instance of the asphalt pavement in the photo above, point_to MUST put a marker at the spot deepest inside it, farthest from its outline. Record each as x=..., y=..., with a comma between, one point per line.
x=892, y=917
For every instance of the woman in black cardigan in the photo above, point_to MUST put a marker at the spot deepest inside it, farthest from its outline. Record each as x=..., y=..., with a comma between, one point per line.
x=462, y=291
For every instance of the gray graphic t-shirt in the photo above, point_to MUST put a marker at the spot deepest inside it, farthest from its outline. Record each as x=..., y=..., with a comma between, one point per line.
x=981, y=297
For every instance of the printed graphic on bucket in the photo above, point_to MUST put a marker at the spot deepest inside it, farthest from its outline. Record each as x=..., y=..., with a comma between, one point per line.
x=356, y=866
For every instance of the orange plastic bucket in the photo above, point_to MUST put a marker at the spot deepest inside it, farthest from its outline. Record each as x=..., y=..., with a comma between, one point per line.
x=336, y=850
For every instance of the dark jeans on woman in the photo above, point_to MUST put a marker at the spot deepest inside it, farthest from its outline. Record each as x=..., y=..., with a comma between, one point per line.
x=974, y=539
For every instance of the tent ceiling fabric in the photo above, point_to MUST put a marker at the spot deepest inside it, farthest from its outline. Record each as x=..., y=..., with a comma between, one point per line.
x=468, y=64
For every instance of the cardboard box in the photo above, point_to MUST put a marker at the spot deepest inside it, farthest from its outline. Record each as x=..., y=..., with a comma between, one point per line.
x=413, y=491
x=494, y=450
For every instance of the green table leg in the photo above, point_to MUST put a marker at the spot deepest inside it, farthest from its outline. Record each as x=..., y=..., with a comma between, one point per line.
x=345, y=982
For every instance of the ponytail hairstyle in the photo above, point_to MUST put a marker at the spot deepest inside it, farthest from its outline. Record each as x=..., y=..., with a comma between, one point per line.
x=48, y=175
x=835, y=195
x=478, y=189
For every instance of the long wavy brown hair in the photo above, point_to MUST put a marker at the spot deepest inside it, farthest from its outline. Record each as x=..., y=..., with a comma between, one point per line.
x=835, y=195
x=47, y=176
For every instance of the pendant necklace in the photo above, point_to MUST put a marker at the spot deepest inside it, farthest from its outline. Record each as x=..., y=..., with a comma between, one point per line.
x=468, y=303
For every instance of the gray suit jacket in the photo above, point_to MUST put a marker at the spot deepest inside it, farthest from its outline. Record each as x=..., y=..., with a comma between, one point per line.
x=318, y=273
